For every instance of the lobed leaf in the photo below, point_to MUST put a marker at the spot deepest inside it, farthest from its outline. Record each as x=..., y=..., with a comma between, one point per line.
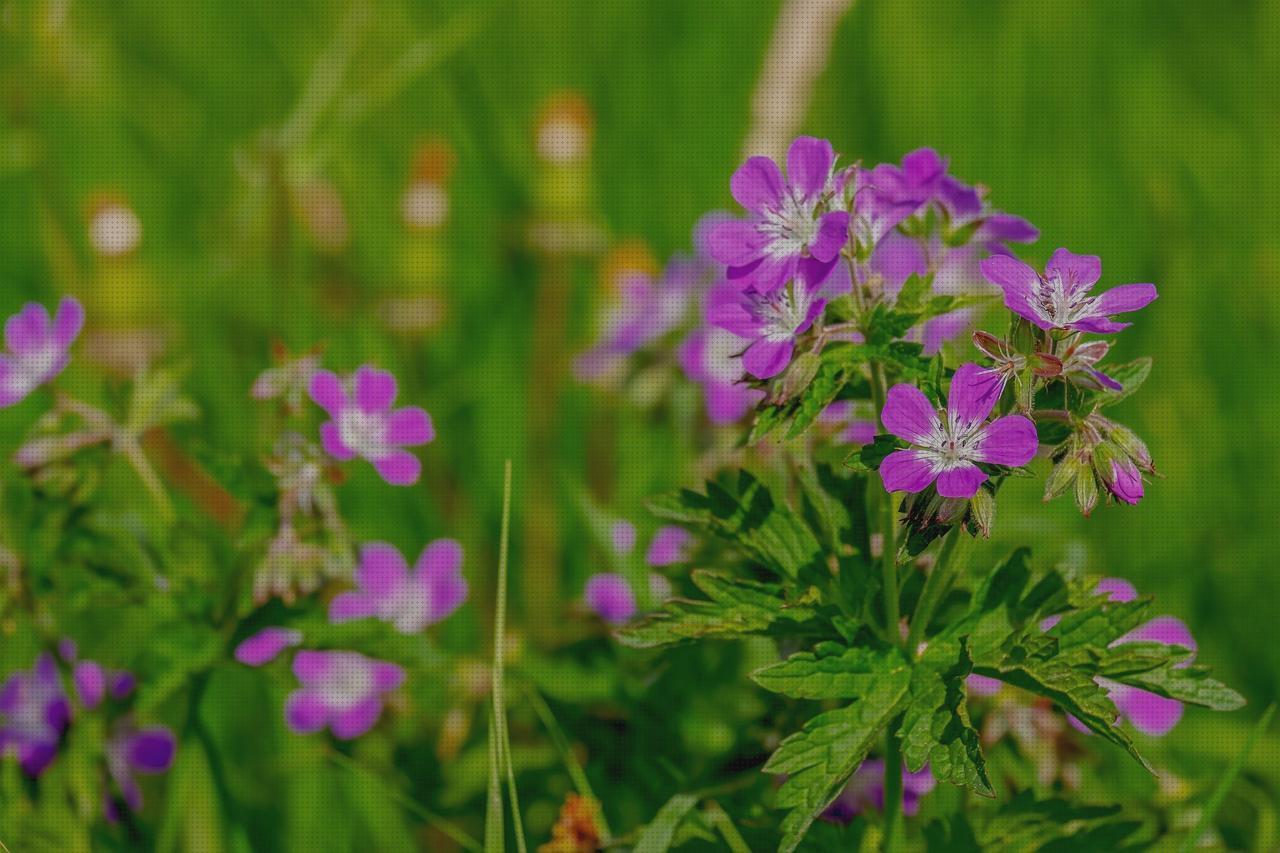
x=936, y=728
x=830, y=671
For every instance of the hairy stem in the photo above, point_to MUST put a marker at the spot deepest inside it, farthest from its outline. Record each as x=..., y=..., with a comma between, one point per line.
x=889, y=524
x=936, y=587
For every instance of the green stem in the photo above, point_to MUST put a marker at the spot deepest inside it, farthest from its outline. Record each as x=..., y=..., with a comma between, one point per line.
x=892, y=790
x=889, y=525
x=936, y=586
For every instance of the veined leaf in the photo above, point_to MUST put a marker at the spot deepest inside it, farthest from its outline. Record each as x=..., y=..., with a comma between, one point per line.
x=819, y=759
x=749, y=517
x=831, y=671
x=736, y=608
x=1186, y=684
x=936, y=728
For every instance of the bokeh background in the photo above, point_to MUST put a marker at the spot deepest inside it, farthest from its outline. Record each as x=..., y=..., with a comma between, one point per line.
x=267, y=156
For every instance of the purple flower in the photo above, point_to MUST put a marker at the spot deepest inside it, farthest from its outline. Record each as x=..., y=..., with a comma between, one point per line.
x=710, y=357
x=1060, y=299
x=610, y=596
x=37, y=347
x=792, y=231
x=341, y=690
x=408, y=600
x=948, y=444
x=842, y=415
x=1149, y=713
x=644, y=311
x=264, y=646
x=90, y=681
x=770, y=321
x=365, y=425
x=622, y=536
x=1123, y=480
x=980, y=685
x=34, y=712
x=865, y=790
x=130, y=752
x=668, y=546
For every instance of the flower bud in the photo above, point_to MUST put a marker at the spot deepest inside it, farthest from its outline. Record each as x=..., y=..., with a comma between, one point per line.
x=1132, y=446
x=1086, y=492
x=1122, y=479
x=982, y=511
x=1062, y=477
x=798, y=376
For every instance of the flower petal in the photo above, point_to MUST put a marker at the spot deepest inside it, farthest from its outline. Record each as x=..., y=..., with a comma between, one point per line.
x=382, y=569
x=668, y=546
x=356, y=720
x=386, y=676
x=1019, y=283
x=735, y=242
x=1118, y=590
x=610, y=596
x=833, y=234
x=974, y=393
x=1099, y=325
x=90, y=681
x=346, y=606
x=400, y=468
x=11, y=392
x=1126, y=297
x=765, y=359
x=734, y=317
x=331, y=440
x=961, y=482
x=757, y=184
x=375, y=389
x=68, y=321
x=306, y=711
x=327, y=392
x=1150, y=714
x=151, y=750
x=264, y=646
x=1010, y=440
x=908, y=414
x=1169, y=630
x=727, y=402
x=809, y=162
x=410, y=427
x=28, y=330
x=311, y=667
x=906, y=471
x=1078, y=272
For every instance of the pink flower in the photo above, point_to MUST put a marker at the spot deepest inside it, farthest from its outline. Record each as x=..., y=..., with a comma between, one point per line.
x=364, y=424
x=951, y=442
x=38, y=347
x=769, y=323
x=340, y=690
x=611, y=597
x=1060, y=299
x=264, y=646
x=408, y=600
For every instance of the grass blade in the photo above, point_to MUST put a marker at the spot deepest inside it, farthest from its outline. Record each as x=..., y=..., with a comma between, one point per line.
x=1228, y=779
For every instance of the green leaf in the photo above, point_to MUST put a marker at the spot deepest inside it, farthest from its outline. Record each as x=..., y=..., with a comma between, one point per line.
x=749, y=517
x=737, y=608
x=658, y=835
x=871, y=455
x=1130, y=375
x=1187, y=684
x=936, y=728
x=1025, y=823
x=915, y=290
x=819, y=759
x=830, y=671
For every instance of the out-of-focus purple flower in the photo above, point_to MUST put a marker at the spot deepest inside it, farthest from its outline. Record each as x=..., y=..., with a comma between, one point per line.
x=264, y=646
x=842, y=416
x=770, y=322
x=865, y=790
x=980, y=685
x=1149, y=713
x=34, y=712
x=609, y=596
x=130, y=752
x=1078, y=366
x=90, y=681
x=644, y=311
x=948, y=444
x=341, y=690
x=1061, y=298
x=408, y=600
x=122, y=684
x=622, y=536
x=668, y=546
x=365, y=425
x=37, y=347
x=792, y=231
x=1123, y=480
x=710, y=357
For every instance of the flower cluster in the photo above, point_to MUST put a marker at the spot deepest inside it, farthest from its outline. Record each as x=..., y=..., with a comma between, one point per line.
x=611, y=595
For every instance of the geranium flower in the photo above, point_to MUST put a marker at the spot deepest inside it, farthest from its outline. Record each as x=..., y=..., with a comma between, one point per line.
x=1123, y=480
x=264, y=646
x=609, y=596
x=34, y=712
x=341, y=690
x=865, y=790
x=644, y=310
x=950, y=443
x=130, y=752
x=770, y=322
x=1149, y=713
x=408, y=600
x=37, y=347
x=709, y=357
x=792, y=232
x=1060, y=299
x=365, y=425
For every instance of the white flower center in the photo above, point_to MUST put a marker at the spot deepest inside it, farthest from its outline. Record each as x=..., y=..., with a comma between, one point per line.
x=30, y=370
x=1060, y=305
x=953, y=443
x=790, y=227
x=720, y=356
x=350, y=681
x=785, y=311
x=364, y=432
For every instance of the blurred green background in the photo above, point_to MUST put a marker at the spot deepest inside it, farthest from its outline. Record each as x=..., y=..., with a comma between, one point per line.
x=266, y=149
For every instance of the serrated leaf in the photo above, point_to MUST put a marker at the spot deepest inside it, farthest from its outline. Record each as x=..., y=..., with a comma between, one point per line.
x=736, y=608
x=749, y=517
x=819, y=759
x=1130, y=375
x=830, y=671
x=936, y=728
x=1100, y=623
x=1186, y=684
